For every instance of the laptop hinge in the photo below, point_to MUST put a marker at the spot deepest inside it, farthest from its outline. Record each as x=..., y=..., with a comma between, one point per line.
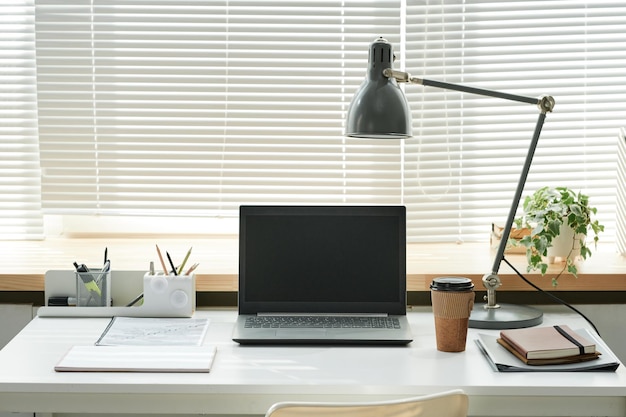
x=326, y=314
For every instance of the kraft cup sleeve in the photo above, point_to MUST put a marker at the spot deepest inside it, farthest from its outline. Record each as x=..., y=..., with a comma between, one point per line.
x=452, y=305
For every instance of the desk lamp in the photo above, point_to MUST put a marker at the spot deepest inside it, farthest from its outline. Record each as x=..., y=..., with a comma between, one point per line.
x=379, y=110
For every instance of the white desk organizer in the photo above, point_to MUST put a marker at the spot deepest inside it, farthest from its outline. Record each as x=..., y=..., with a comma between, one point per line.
x=163, y=295
x=174, y=295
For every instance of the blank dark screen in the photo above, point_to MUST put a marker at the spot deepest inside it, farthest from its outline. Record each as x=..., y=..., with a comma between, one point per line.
x=332, y=258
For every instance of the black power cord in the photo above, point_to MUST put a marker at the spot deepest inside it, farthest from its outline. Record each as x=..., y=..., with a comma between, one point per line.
x=552, y=296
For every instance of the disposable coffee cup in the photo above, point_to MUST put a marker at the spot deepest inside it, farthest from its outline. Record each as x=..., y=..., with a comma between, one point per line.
x=452, y=300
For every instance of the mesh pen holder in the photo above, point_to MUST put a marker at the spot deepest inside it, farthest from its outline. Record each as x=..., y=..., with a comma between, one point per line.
x=93, y=288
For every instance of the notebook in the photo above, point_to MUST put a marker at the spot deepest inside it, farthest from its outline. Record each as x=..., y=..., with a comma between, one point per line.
x=319, y=264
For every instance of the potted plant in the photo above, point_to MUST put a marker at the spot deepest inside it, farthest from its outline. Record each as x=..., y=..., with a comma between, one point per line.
x=549, y=212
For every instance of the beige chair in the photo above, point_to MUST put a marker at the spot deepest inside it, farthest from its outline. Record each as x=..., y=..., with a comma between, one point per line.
x=445, y=404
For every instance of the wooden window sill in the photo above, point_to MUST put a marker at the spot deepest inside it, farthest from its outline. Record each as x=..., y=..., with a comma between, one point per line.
x=24, y=263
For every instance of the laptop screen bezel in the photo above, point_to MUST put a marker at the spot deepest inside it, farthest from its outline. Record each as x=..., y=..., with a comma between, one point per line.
x=391, y=307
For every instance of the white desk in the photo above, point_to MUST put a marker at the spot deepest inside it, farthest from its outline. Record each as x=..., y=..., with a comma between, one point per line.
x=247, y=380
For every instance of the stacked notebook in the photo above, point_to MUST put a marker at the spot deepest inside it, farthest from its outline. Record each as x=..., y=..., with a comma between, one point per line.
x=547, y=349
x=548, y=345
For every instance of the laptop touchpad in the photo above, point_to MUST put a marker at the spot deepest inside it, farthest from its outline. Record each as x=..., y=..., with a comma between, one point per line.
x=300, y=333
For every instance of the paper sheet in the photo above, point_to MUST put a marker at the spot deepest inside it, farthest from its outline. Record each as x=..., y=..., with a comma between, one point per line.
x=143, y=331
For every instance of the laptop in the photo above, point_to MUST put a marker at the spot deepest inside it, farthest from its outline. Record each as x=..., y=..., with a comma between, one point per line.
x=322, y=275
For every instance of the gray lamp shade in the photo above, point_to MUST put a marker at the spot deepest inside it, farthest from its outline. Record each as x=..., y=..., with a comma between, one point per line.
x=379, y=109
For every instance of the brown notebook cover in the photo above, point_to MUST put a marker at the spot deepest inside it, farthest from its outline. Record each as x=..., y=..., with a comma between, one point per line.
x=547, y=342
x=554, y=361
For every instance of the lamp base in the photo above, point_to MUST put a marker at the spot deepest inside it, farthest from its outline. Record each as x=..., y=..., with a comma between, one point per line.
x=507, y=316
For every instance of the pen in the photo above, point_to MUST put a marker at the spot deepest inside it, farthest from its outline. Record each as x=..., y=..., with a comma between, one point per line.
x=61, y=301
x=169, y=258
x=88, y=280
x=135, y=300
x=161, y=259
x=180, y=268
x=105, y=269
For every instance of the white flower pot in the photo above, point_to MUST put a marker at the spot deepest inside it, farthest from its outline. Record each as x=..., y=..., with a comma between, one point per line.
x=561, y=248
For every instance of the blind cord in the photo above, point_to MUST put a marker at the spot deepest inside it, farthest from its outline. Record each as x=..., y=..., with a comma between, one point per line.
x=552, y=296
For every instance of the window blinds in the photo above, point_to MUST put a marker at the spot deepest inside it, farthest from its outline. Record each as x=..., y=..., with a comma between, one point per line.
x=194, y=107
x=465, y=160
x=20, y=203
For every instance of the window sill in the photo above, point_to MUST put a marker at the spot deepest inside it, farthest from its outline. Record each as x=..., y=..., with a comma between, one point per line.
x=24, y=263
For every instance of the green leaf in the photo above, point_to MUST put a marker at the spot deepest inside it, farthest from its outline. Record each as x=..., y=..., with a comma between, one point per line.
x=572, y=270
x=554, y=227
x=576, y=210
x=541, y=245
x=526, y=241
x=584, y=252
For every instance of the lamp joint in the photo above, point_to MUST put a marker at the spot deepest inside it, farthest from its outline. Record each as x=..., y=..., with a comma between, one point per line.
x=546, y=104
x=400, y=76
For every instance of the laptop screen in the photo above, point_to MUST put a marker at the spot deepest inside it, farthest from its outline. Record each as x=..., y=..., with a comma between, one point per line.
x=338, y=259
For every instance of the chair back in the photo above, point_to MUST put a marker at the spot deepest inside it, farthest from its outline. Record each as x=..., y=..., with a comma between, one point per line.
x=445, y=404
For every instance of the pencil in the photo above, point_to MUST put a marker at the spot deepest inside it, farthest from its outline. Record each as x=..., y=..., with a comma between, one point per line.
x=180, y=268
x=191, y=269
x=161, y=259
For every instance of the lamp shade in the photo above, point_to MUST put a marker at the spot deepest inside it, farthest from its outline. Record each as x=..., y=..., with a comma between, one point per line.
x=379, y=109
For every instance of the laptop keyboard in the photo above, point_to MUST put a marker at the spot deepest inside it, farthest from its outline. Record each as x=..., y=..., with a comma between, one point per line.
x=303, y=322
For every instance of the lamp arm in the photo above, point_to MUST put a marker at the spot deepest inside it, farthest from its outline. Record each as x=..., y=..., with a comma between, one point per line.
x=545, y=103
x=492, y=281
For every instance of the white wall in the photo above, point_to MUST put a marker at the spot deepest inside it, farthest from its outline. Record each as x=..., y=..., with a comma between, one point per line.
x=13, y=317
